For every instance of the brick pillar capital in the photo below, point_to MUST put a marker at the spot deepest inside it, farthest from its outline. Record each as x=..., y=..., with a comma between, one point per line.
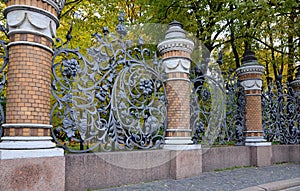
x=176, y=49
x=250, y=66
x=33, y=22
x=250, y=73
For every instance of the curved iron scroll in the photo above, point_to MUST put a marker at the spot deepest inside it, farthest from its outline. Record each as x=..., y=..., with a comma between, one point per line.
x=281, y=114
x=217, y=108
x=116, y=101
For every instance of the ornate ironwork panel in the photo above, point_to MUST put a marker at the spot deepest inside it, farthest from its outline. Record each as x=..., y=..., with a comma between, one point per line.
x=115, y=101
x=217, y=108
x=3, y=71
x=281, y=114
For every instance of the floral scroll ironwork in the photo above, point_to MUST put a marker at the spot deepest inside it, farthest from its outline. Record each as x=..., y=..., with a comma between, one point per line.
x=115, y=101
x=217, y=112
x=281, y=114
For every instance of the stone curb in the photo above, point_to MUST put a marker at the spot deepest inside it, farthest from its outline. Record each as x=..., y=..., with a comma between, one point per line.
x=275, y=186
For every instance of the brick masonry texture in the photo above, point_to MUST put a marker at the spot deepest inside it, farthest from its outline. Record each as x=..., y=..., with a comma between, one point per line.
x=253, y=108
x=297, y=89
x=178, y=92
x=35, y=3
x=31, y=38
x=255, y=92
x=176, y=53
x=250, y=76
x=253, y=113
x=28, y=92
x=26, y=132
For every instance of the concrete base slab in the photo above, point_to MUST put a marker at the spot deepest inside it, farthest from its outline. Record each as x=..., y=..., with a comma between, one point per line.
x=32, y=174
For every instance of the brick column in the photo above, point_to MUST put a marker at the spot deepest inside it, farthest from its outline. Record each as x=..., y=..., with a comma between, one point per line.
x=31, y=26
x=176, y=52
x=250, y=75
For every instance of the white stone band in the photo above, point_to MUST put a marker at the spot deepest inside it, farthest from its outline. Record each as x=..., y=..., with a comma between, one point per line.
x=34, y=153
x=168, y=45
x=177, y=79
x=31, y=9
x=57, y=4
x=29, y=138
x=8, y=125
x=24, y=143
x=252, y=84
x=179, y=130
x=182, y=147
x=31, y=44
x=250, y=69
x=176, y=65
x=178, y=141
x=295, y=83
x=29, y=21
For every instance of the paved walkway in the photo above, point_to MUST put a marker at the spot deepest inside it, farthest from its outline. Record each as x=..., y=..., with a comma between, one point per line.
x=227, y=180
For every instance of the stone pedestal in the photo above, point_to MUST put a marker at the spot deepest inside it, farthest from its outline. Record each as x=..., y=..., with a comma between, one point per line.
x=186, y=161
x=250, y=75
x=261, y=155
x=33, y=174
x=176, y=52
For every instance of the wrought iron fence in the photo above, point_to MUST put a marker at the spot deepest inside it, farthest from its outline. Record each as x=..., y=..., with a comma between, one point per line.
x=281, y=114
x=217, y=112
x=115, y=101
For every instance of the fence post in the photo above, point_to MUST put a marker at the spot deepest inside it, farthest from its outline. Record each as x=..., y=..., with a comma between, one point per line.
x=31, y=27
x=250, y=75
x=176, y=51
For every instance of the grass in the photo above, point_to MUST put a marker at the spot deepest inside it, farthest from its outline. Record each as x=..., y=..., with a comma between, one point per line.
x=231, y=168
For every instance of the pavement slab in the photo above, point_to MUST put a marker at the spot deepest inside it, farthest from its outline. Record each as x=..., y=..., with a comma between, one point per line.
x=259, y=178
